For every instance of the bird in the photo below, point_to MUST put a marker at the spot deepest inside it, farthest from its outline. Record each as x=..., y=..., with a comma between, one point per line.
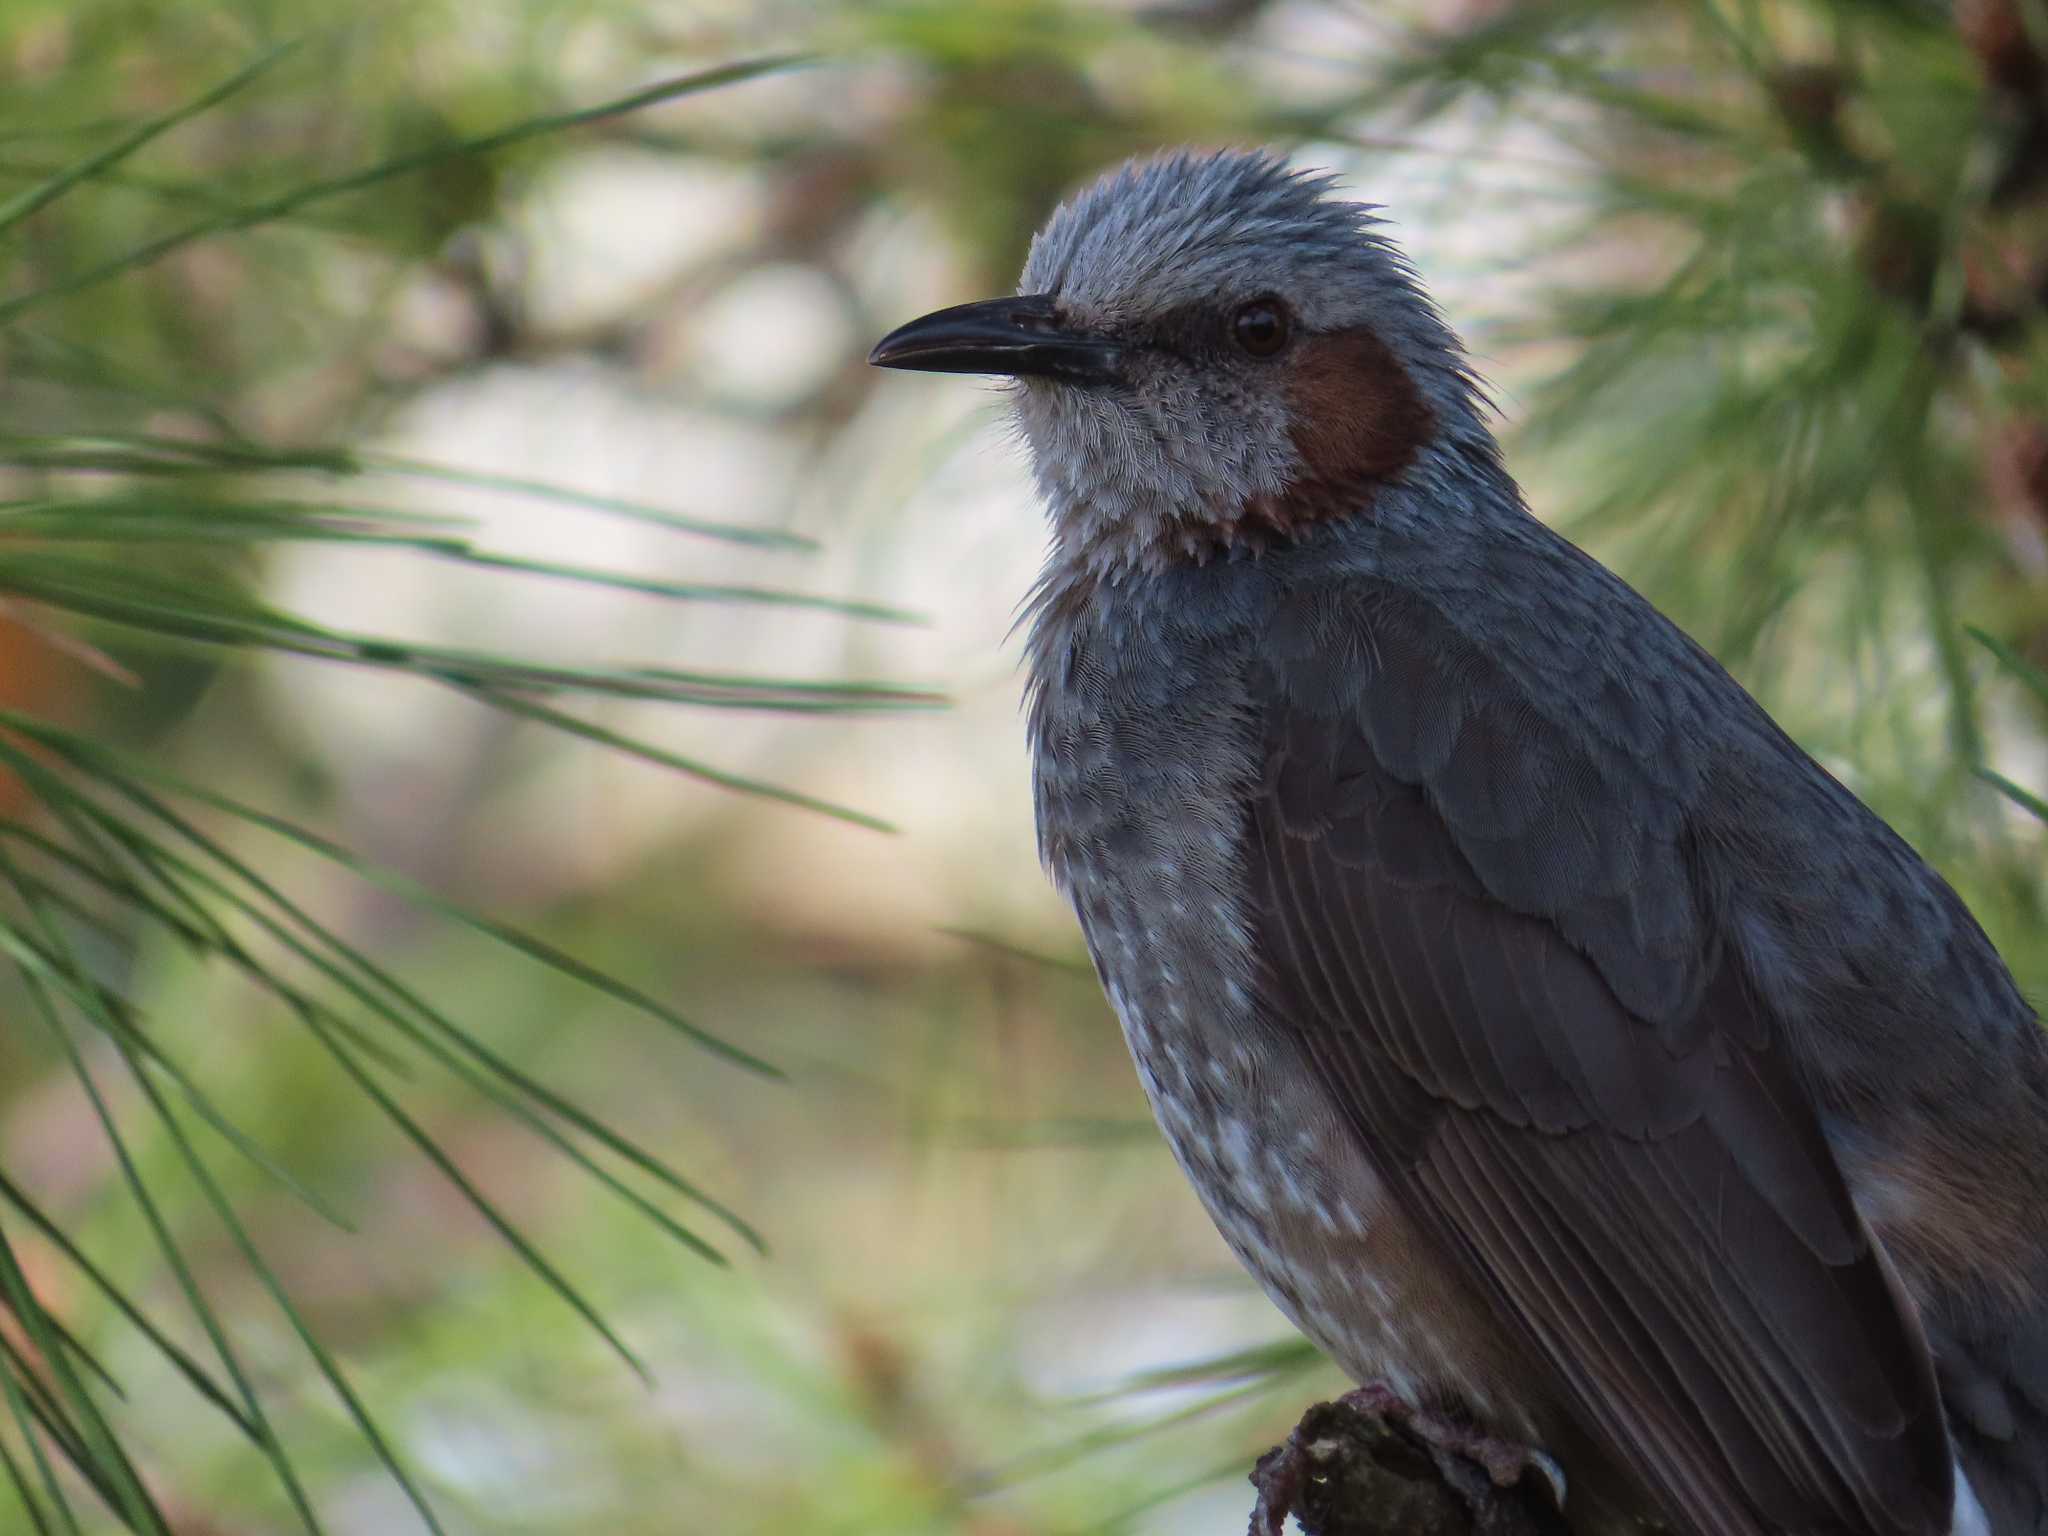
x=1572, y=1058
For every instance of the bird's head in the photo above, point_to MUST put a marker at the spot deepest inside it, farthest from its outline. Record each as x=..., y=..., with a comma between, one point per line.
x=1210, y=352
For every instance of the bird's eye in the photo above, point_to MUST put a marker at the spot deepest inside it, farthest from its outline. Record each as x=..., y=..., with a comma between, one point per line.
x=1261, y=327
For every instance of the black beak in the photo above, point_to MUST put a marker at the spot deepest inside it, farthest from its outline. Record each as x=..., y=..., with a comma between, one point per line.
x=1015, y=336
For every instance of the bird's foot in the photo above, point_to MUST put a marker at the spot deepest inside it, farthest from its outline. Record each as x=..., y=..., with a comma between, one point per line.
x=1505, y=1462
x=1355, y=1446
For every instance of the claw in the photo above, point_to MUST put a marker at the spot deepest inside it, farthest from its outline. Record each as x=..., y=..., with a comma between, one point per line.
x=1507, y=1463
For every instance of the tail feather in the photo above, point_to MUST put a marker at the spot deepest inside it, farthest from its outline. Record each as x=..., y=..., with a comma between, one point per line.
x=1994, y=1385
x=1969, y=1518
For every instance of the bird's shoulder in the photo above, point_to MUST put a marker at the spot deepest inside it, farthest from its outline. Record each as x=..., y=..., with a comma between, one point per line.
x=1509, y=699
x=1582, y=761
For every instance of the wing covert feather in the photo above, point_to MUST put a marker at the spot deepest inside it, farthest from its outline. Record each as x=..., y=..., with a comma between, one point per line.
x=1649, y=1204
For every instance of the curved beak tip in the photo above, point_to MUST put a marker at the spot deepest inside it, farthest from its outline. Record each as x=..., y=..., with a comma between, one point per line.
x=887, y=353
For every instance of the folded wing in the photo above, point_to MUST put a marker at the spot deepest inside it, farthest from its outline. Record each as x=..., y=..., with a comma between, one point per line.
x=1585, y=1106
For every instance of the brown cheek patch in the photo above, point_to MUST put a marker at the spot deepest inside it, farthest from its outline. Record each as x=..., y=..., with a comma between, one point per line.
x=1358, y=417
x=1358, y=420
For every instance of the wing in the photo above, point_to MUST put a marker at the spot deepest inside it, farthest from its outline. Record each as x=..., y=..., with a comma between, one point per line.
x=1641, y=1188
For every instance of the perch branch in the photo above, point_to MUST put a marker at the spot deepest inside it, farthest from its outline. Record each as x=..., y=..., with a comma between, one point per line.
x=1347, y=1471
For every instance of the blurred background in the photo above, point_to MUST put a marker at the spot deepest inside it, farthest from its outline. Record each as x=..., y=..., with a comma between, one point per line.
x=530, y=1003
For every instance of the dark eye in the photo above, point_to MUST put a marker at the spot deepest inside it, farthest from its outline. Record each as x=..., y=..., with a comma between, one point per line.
x=1261, y=327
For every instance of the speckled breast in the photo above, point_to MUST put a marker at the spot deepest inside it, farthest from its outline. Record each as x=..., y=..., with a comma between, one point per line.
x=1140, y=793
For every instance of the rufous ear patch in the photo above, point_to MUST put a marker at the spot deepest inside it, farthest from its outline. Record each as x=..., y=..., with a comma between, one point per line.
x=1357, y=414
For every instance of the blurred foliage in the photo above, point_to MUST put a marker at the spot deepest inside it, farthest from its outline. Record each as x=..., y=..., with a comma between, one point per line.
x=1814, y=426
x=147, y=467
x=1767, y=304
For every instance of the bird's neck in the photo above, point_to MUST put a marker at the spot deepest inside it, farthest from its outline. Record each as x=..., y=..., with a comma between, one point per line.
x=1115, y=528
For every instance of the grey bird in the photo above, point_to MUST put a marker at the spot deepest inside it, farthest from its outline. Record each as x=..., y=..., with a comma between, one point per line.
x=1570, y=1056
